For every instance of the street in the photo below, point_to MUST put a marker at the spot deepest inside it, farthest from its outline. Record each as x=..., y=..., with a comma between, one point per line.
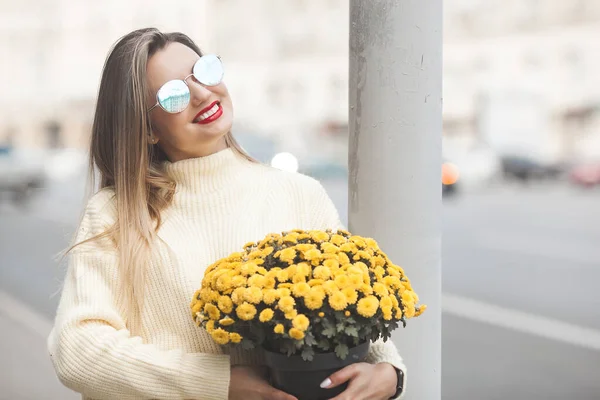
x=521, y=266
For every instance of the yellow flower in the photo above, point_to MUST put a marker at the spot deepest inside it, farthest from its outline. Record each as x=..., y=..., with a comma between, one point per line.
x=279, y=329
x=338, y=301
x=330, y=287
x=246, y=311
x=220, y=336
x=248, y=268
x=210, y=326
x=329, y=248
x=212, y=311
x=299, y=278
x=283, y=275
x=238, y=295
x=287, y=255
x=409, y=310
x=380, y=289
x=270, y=282
x=315, y=282
x=286, y=285
x=342, y=281
x=284, y=292
x=361, y=254
x=367, y=306
x=371, y=243
x=301, y=322
x=359, y=241
x=366, y=289
x=331, y=264
x=226, y=321
x=257, y=280
x=347, y=313
x=379, y=273
x=253, y=295
x=377, y=261
x=266, y=315
x=313, y=255
x=286, y=304
x=291, y=314
x=196, y=308
x=343, y=258
x=399, y=313
x=393, y=282
x=386, y=302
x=322, y=272
x=303, y=269
x=319, y=236
x=387, y=314
x=338, y=240
x=349, y=248
x=267, y=251
x=235, y=337
x=420, y=310
x=291, y=238
x=407, y=298
x=304, y=247
x=296, y=334
x=343, y=232
x=356, y=280
x=314, y=299
x=223, y=283
x=351, y=295
x=238, y=281
x=270, y=296
x=301, y=289
x=249, y=244
x=225, y=304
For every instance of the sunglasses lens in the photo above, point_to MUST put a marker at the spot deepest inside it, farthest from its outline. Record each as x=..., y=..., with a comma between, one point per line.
x=208, y=70
x=174, y=96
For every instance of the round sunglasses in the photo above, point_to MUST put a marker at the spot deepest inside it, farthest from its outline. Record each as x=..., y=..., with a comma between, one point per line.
x=174, y=96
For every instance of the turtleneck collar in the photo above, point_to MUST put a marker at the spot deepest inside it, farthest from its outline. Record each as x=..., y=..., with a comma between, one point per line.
x=208, y=173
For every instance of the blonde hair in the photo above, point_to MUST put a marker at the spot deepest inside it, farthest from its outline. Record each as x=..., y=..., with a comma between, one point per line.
x=127, y=161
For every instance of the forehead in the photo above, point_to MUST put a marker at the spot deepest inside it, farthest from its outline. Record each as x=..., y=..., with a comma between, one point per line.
x=175, y=61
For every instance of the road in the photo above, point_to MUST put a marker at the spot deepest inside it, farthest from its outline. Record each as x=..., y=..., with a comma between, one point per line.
x=521, y=306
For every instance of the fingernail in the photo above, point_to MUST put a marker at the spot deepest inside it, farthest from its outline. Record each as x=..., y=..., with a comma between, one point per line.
x=326, y=383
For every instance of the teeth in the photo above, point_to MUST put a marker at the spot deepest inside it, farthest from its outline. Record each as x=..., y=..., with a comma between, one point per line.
x=210, y=112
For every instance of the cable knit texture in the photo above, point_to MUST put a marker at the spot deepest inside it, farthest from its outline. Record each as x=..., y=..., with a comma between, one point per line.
x=222, y=201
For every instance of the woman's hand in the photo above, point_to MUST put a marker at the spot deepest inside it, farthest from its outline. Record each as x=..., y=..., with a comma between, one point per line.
x=366, y=381
x=247, y=383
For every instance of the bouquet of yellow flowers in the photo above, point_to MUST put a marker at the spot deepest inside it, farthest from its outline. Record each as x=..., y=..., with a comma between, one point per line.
x=305, y=293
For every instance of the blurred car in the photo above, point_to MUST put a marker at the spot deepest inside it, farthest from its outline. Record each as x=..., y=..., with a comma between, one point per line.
x=585, y=174
x=21, y=173
x=525, y=169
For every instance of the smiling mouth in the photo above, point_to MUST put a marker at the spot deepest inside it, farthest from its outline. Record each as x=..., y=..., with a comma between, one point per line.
x=209, y=114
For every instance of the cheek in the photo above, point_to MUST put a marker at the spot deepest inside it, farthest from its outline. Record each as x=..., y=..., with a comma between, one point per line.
x=168, y=126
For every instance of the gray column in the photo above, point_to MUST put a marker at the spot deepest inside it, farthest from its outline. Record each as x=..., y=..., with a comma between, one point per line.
x=395, y=160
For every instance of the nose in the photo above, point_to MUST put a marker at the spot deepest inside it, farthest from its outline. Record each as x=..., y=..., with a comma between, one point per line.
x=198, y=92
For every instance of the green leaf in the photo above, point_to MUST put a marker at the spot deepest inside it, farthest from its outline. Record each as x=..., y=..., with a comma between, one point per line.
x=309, y=339
x=329, y=331
x=308, y=353
x=351, y=331
x=341, y=326
x=341, y=350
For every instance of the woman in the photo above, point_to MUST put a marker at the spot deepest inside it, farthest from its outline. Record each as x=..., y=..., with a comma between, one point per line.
x=177, y=193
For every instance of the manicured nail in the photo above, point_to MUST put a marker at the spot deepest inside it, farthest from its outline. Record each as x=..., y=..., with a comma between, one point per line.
x=326, y=383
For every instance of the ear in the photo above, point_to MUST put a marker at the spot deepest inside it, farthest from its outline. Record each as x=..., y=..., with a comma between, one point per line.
x=152, y=138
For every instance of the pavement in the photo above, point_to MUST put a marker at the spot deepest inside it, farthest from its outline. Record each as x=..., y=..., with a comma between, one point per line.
x=520, y=270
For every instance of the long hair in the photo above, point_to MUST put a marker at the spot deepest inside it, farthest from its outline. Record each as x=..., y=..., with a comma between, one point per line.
x=127, y=161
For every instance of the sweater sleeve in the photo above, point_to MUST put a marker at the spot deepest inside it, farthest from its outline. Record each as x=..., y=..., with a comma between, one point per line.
x=91, y=348
x=327, y=217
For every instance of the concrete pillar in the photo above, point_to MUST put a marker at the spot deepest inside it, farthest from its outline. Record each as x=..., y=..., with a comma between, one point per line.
x=395, y=97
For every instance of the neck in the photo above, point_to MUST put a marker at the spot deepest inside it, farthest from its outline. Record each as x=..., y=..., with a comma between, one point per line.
x=206, y=150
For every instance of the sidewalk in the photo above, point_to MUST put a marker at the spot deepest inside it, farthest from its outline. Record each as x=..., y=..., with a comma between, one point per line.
x=26, y=369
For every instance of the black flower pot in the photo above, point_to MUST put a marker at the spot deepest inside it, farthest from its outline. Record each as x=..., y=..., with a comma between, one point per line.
x=302, y=378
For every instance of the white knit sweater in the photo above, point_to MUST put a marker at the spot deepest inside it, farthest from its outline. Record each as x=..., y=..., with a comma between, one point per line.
x=222, y=201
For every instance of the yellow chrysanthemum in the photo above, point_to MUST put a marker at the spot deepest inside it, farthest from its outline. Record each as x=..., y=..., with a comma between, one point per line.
x=329, y=248
x=257, y=280
x=343, y=258
x=349, y=248
x=284, y=292
x=290, y=314
x=226, y=321
x=355, y=280
x=197, y=307
x=301, y=322
x=238, y=295
x=347, y=313
x=387, y=314
x=238, y=281
x=235, y=337
x=358, y=241
x=367, y=306
x=377, y=261
x=362, y=255
x=321, y=314
x=319, y=236
x=371, y=243
x=279, y=329
x=322, y=272
x=366, y=289
x=299, y=278
x=287, y=255
x=225, y=304
x=409, y=310
x=407, y=298
x=342, y=281
x=220, y=336
x=393, y=282
x=246, y=311
x=286, y=304
x=304, y=247
x=303, y=269
x=386, y=302
x=351, y=295
x=210, y=326
x=270, y=296
x=253, y=295
x=338, y=240
x=313, y=255
x=212, y=311
x=255, y=254
x=301, y=289
x=421, y=310
x=266, y=315
x=296, y=334
x=399, y=313
x=249, y=244
x=315, y=282
x=338, y=301
x=379, y=273
x=267, y=251
x=283, y=275
x=332, y=264
x=223, y=282
x=314, y=299
x=286, y=285
x=291, y=238
x=248, y=268
x=330, y=287
x=270, y=283
x=380, y=289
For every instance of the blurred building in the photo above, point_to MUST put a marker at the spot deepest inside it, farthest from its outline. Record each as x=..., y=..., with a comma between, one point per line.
x=519, y=74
